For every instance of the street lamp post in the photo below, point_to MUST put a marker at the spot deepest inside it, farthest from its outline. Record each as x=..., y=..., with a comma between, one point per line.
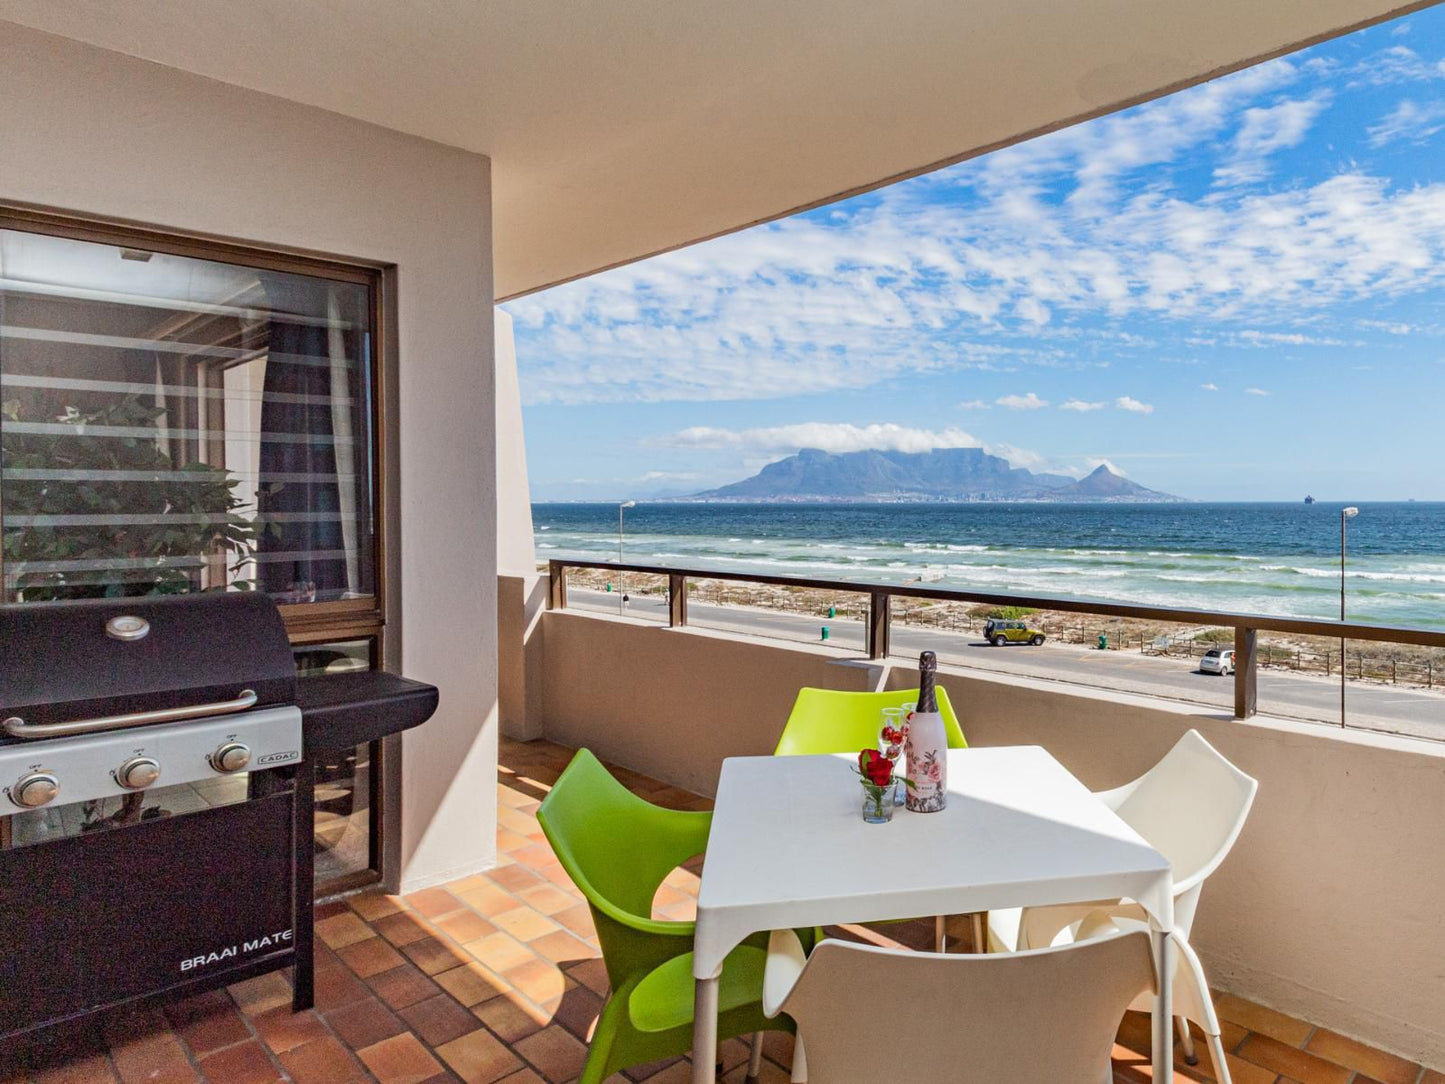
x=620, y=593
x=1346, y=514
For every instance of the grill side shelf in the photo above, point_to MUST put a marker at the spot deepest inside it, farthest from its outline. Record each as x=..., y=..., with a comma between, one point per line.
x=340, y=711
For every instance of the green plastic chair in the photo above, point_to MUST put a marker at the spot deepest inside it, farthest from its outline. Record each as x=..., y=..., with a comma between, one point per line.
x=617, y=848
x=832, y=721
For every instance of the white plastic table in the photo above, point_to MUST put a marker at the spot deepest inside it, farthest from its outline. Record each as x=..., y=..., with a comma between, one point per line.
x=789, y=848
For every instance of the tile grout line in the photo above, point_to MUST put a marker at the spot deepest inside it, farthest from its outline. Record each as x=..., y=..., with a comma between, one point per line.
x=330, y=1031
x=251, y=1027
x=1240, y=1045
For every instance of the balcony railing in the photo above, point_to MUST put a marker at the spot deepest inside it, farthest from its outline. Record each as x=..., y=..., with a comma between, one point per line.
x=878, y=623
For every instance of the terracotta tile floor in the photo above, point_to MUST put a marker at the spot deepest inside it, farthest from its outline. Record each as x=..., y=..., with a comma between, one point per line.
x=497, y=977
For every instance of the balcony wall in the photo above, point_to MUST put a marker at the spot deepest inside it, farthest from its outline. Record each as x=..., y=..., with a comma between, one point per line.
x=1331, y=907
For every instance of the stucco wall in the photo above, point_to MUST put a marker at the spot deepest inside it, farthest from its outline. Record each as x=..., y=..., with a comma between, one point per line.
x=521, y=663
x=1331, y=906
x=516, y=547
x=90, y=131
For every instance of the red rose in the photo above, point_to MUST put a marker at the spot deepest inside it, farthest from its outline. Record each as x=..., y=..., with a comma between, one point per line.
x=875, y=767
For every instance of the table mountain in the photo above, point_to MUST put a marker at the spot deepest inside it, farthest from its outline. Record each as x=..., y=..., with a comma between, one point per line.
x=944, y=474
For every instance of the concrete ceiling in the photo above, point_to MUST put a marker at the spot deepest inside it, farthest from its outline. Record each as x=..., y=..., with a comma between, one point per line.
x=622, y=128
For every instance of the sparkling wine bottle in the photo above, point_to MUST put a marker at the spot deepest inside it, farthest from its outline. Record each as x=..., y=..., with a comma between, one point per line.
x=927, y=745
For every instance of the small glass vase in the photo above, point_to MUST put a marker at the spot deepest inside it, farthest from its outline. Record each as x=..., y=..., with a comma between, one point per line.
x=878, y=803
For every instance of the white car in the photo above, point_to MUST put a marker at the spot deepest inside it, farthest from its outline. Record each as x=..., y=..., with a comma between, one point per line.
x=1217, y=660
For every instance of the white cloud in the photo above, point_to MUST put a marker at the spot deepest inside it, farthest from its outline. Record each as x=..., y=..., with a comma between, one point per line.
x=1097, y=461
x=1389, y=326
x=973, y=404
x=1100, y=155
x=1398, y=64
x=1409, y=120
x=836, y=437
x=1264, y=130
x=1210, y=387
x=1081, y=406
x=1033, y=310
x=1255, y=391
x=1285, y=338
x=669, y=476
x=763, y=445
x=1023, y=457
x=1134, y=406
x=1022, y=402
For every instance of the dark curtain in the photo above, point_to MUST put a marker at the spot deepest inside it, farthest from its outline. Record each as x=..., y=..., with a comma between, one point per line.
x=298, y=417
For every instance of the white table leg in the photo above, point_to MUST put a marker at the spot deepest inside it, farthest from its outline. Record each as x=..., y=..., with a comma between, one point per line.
x=1163, y=1005
x=704, y=1031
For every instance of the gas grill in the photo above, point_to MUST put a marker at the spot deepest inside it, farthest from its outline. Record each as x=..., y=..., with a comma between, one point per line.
x=156, y=778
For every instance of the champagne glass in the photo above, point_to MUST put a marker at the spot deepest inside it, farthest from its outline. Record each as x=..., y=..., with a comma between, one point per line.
x=895, y=718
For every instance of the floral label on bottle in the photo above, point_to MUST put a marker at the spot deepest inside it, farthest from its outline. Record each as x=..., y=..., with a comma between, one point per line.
x=927, y=752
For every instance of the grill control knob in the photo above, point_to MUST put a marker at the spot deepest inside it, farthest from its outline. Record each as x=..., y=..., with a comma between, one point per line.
x=34, y=789
x=231, y=757
x=137, y=773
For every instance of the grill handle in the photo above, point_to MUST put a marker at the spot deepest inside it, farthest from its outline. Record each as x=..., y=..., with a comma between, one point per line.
x=19, y=728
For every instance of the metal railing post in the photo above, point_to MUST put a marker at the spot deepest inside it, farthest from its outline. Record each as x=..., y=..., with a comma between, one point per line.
x=556, y=585
x=879, y=624
x=677, y=601
x=1246, y=672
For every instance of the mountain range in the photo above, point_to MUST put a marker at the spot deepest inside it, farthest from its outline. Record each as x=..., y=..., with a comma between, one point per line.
x=944, y=474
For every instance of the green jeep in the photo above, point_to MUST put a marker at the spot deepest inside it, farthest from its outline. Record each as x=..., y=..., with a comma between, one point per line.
x=999, y=632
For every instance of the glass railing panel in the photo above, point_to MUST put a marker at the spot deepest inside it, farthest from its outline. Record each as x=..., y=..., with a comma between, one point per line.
x=834, y=618
x=1182, y=662
x=1385, y=687
x=639, y=595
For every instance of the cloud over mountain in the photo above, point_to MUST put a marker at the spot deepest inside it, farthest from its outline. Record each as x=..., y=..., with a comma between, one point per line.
x=826, y=436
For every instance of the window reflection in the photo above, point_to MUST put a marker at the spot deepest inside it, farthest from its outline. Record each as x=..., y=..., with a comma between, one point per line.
x=171, y=424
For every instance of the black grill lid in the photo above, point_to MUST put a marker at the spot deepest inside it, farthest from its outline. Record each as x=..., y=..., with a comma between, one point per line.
x=58, y=662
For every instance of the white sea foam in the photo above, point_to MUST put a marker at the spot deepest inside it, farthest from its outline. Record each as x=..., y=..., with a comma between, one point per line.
x=1281, y=577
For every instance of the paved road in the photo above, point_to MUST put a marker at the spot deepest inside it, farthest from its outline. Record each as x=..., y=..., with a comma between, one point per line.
x=1396, y=709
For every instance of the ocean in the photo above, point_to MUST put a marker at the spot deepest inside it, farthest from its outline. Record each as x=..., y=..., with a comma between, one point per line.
x=1280, y=559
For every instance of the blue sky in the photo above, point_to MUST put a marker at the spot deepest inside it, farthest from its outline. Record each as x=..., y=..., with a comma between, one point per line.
x=1236, y=292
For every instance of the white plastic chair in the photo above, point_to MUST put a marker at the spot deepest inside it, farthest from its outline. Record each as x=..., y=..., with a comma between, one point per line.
x=1190, y=807
x=1026, y=1018
x=1192, y=1000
